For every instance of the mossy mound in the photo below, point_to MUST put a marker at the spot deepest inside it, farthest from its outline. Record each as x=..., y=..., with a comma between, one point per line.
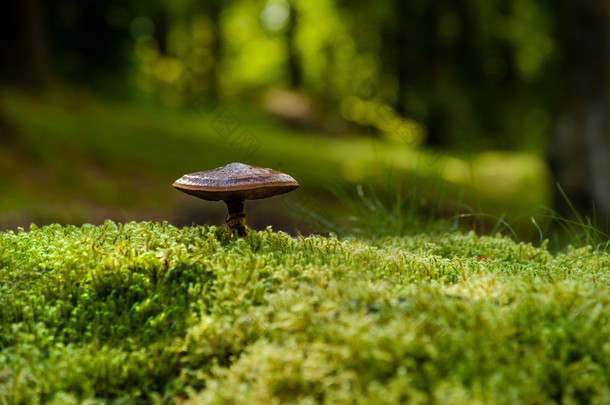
x=146, y=313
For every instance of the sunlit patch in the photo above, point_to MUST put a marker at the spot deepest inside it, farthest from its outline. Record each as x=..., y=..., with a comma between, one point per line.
x=167, y=69
x=455, y=170
x=146, y=49
x=505, y=174
x=353, y=171
x=275, y=15
x=406, y=131
x=354, y=109
x=394, y=127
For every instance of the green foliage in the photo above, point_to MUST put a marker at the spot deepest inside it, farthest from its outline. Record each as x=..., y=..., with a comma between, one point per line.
x=578, y=229
x=79, y=151
x=377, y=215
x=473, y=75
x=147, y=312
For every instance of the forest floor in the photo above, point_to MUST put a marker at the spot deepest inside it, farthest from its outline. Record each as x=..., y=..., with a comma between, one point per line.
x=69, y=157
x=150, y=313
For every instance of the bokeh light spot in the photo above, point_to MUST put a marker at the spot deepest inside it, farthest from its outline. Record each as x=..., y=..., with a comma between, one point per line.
x=142, y=27
x=275, y=15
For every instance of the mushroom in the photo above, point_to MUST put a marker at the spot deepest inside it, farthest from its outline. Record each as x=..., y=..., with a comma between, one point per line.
x=233, y=184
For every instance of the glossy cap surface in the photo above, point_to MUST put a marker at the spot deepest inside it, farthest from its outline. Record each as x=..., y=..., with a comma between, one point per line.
x=236, y=181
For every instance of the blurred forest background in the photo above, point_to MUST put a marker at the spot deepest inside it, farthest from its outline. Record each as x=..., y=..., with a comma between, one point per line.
x=478, y=106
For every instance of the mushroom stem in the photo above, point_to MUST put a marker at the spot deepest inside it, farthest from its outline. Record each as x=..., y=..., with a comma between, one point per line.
x=236, y=218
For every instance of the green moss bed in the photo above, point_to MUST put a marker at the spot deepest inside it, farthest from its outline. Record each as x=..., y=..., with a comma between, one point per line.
x=149, y=313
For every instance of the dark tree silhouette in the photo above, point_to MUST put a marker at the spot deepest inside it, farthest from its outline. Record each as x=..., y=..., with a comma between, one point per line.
x=580, y=148
x=162, y=24
x=213, y=9
x=23, y=48
x=295, y=73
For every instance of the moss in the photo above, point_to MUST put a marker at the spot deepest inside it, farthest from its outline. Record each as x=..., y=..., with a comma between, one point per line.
x=148, y=312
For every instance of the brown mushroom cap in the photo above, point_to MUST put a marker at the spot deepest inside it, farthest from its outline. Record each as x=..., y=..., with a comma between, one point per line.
x=236, y=181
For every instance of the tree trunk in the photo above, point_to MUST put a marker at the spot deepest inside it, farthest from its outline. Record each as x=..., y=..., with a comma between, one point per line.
x=579, y=154
x=294, y=66
x=22, y=44
x=214, y=11
x=397, y=40
x=162, y=30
